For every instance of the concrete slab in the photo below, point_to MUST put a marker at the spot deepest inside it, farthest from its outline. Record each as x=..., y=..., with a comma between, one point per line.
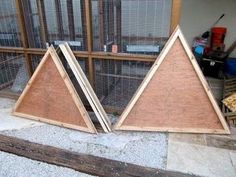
x=6, y=103
x=9, y=122
x=233, y=159
x=188, y=138
x=199, y=160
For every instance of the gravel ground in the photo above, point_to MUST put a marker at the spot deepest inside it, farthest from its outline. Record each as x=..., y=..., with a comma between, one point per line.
x=131, y=147
x=16, y=166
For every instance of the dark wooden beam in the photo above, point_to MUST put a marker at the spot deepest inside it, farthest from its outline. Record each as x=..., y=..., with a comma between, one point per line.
x=224, y=142
x=28, y=17
x=83, y=22
x=118, y=24
x=59, y=19
x=110, y=22
x=80, y=162
x=71, y=24
x=24, y=37
x=101, y=24
x=43, y=21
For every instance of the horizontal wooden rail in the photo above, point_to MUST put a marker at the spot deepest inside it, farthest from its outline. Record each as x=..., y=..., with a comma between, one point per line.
x=80, y=162
x=121, y=76
x=84, y=54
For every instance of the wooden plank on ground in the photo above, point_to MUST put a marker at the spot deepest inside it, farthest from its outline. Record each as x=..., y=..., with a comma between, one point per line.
x=50, y=96
x=174, y=96
x=89, y=164
x=221, y=142
x=86, y=87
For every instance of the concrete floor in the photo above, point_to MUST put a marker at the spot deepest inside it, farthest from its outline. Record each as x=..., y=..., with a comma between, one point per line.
x=188, y=153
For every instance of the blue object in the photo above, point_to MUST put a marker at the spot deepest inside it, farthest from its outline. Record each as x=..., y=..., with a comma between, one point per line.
x=199, y=50
x=230, y=66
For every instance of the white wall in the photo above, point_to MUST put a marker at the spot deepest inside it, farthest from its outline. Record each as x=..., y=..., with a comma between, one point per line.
x=198, y=15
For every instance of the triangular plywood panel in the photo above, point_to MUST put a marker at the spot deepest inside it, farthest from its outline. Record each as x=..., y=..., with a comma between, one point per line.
x=174, y=96
x=85, y=87
x=50, y=97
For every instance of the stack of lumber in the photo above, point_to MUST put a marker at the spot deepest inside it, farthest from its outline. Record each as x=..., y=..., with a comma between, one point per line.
x=229, y=90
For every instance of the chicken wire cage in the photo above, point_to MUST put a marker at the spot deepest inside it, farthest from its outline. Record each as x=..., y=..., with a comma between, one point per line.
x=134, y=27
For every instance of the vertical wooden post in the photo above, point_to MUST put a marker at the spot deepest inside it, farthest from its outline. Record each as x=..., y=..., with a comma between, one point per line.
x=71, y=24
x=24, y=38
x=59, y=19
x=101, y=23
x=83, y=21
x=88, y=15
x=43, y=21
x=110, y=21
x=118, y=24
x=175, y=14
x=27, y=12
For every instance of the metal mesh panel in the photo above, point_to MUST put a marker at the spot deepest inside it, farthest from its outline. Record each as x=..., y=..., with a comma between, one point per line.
x=36, y=60
x=9, y=29
x=13, y=72
x=48, y=21
x=134, y=26
x=34, y=31
x=117, y=81
x=64, y=22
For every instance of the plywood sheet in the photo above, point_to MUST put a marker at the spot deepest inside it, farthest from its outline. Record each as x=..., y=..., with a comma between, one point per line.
x=175, y=98
x=50, y=97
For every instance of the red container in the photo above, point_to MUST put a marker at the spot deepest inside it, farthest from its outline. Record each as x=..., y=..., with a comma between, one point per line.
x=218, y=36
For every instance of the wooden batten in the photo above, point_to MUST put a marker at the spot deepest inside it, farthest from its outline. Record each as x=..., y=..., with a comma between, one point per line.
x=86, y=87
x=174, y=96
x=50, y=97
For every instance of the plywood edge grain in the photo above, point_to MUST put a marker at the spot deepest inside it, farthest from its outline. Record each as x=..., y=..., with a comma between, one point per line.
x=53, y=122
x=86, y=88
x=173, y=130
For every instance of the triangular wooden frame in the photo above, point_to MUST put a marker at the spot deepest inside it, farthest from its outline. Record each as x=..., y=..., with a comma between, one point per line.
x=86, y=87
x=176, y=34
x=77, y=101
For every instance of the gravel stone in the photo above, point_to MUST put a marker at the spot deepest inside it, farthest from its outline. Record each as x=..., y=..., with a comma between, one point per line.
x=16, y=166
x=132, y=147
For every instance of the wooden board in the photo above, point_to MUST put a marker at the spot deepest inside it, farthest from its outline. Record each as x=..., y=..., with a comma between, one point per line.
x=86, y=87
x=96, y=166
x=50, y=97
x=174, y=96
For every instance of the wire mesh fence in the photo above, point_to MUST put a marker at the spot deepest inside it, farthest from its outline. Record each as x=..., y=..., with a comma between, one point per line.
x=117, y=81
x=12, y=72
x=9, y=28
x=131, y=26
x=123, y=26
